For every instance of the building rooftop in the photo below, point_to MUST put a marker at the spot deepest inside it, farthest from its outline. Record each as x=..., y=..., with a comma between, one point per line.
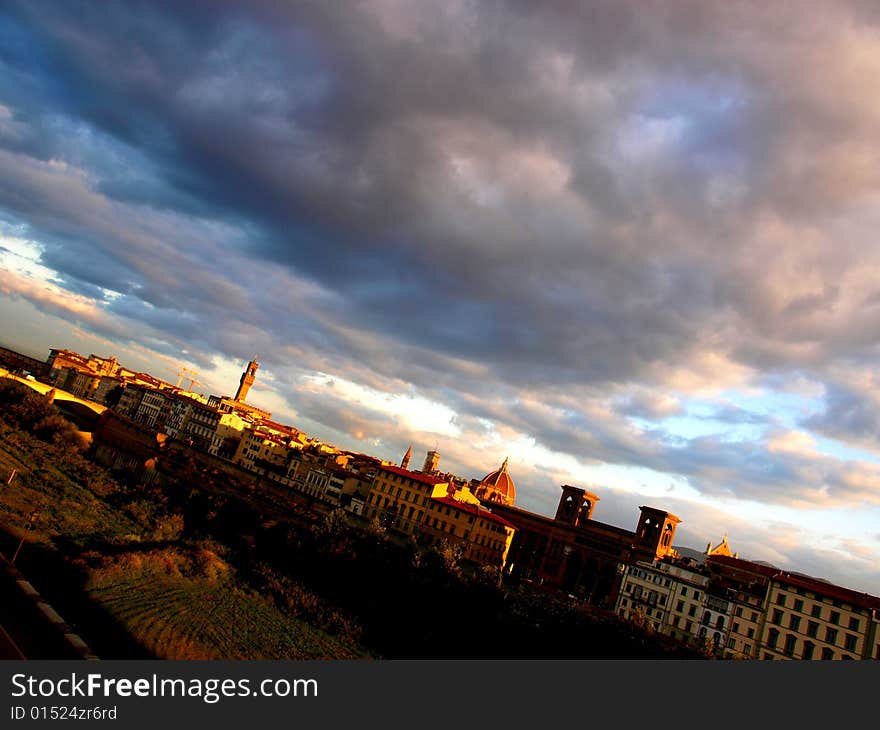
x=416, y=476
x=473, y=509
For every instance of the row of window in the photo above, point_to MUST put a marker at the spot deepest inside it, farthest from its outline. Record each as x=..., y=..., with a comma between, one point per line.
x=812, y=629
x=816, y=611
x=739, y=614
x=401, y=493
x=789, y=646
x=650, y=577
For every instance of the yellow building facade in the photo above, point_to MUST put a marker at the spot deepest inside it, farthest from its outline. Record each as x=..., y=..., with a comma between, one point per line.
x=431, y=509
x=399, y=498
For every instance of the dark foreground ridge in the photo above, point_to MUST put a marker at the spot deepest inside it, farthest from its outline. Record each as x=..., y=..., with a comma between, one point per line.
x=31, y=628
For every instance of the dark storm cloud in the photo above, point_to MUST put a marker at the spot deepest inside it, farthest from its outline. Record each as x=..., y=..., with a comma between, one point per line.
x=850, y=414
x=474, y=201
x=334, y=139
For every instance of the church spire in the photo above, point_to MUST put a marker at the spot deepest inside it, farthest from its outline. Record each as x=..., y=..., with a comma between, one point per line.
x=406, y=457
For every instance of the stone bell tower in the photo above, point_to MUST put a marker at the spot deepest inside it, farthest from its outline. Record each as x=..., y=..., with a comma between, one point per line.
x=655, y=533
x=576, y=506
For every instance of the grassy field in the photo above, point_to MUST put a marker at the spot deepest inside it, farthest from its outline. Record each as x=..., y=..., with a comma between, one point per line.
x=175, y=598
x=186, y=605
x=69, y=493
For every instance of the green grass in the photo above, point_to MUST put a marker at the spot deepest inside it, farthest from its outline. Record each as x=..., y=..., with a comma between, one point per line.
x=68, y=491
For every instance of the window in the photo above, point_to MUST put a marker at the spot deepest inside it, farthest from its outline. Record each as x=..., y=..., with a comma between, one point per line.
x=735, y=627
x=812, y=629
x=849, y=642
x=798, y=605
x=696, y=595
x=754, y=617
x=751, y=633
x=827, y=653
x=692, y=611
x=853, y=623
x=816, y=611
x=680, y=606
x=835, y=617
x=809, y=647
x=790, y=642
x=772, y=638
x=780, y=599
x=739, y=612
x=794, y=622
x=747, y=649
x=777, y=616
x=831, y=635
x=684, y=591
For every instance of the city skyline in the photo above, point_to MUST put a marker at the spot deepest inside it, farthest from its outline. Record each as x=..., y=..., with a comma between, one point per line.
x=628, y=248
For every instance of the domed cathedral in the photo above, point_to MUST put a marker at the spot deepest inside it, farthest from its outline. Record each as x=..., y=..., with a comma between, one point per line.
x=497, y=487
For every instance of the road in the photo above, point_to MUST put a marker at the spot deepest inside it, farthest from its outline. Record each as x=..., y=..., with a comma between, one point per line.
x=8, y=648
x=26, y=628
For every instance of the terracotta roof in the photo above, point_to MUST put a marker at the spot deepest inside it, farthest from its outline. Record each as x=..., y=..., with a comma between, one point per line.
x=768, y=571
x=416, y=476
x=473, y=510
x=824, y=588
x=268, y=423
x=498, y=486
x=799, y=580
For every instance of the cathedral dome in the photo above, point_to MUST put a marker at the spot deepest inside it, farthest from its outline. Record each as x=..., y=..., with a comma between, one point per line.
x=497, y=486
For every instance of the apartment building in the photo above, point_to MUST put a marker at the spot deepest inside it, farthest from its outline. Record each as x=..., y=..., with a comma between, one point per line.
x=746, y=610
x=485, y=538
x=806, y=618
x=745, y=624
x=672, y=597
x=399, y=497
x=260, y=450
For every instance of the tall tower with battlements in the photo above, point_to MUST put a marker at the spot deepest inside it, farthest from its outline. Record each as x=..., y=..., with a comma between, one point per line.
x=247, y=380
x=431, y=461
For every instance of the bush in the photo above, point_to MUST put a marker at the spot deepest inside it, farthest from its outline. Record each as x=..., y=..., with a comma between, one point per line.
x=57, y=429
x=21, y=406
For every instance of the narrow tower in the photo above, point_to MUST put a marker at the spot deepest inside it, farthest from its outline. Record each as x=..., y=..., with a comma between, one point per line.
x=247, y=380
x=406, y=457
x=431, y=461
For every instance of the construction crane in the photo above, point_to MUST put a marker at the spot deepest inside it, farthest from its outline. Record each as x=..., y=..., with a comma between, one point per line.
x=192, y=380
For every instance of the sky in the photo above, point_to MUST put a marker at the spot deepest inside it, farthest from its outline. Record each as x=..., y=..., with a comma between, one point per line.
x=631, y=246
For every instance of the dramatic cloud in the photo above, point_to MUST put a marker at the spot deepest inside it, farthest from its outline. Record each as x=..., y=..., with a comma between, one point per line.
x=615, y=241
